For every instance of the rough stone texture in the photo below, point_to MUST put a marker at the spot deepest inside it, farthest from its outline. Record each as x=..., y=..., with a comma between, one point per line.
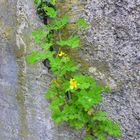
x=113, y=51
x=8, y=72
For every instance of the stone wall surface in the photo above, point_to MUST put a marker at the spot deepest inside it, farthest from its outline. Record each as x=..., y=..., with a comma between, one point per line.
x=112, y=49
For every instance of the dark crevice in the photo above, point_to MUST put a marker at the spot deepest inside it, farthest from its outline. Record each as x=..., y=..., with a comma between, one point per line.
x=44, y=19
x=41, y=13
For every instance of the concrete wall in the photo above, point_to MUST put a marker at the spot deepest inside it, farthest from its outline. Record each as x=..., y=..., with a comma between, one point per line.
x=113, y=51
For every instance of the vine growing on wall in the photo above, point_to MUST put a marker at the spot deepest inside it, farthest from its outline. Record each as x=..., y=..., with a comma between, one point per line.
x=74, y=97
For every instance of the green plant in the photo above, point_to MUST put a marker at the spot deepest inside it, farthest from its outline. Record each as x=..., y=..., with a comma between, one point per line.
x=74, y=98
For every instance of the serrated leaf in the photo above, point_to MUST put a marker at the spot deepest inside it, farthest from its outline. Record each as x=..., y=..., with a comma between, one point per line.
x=100, y=116
x=112, y=128
x=38, y=55
x=58, y=24
x=53, y=2
x=88, y=98
x=72, y=42
x=35, y=56
x=52, y=91
x=69, y=112
x=88, y=137
x=37, y=2
x=68, y=67
x=82, y=23
x=101, y=137
x=50, y=11
x=39, y=35
x=31, y=59
x=84, y=81
x=76, y=124
x=46, y=46
x=107, y=127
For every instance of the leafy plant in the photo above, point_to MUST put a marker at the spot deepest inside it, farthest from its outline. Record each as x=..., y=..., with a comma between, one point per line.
x=88, y=137
x=50, y=11
x=57, y=24
x=82, y=23
x=53, y=2
x=72, y=41
x=74, y=97
x=37, y=2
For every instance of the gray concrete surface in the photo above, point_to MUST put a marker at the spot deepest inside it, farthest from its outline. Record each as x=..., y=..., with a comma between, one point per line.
x=112, y=50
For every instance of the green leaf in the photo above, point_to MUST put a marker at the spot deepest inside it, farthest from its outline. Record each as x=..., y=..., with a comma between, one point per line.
x=88, y=98
x=101, y=137
x=39, y=35
x=46, y=46
x=100, y=116
x=38, y=55
x=68, y=66
x=84, y=100
x=58, y=24
x=84, y=82
x=95, y=96
x=74, y=115
x=82, y=23
x=69, y=112
x=59, y=66
x=78, y=124
x=53, y=2
x=52, y=91
x=35, y=56
x=37, y=2
x=112, y=128
x=107, y=127
x=56, y=113
x=88, y=137
x=31, y=59
x=50, y=11
x=66, y=85
x=72, y=42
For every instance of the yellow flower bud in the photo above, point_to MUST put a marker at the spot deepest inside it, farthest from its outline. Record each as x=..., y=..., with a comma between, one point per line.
x=73, y=83
x=61, y=54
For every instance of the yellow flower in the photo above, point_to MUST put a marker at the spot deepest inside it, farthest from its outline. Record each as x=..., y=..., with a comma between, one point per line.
x=73, y=83
x=61, y=54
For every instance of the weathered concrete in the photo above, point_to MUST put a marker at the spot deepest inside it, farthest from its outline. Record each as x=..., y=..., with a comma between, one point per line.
x=112, y=50
x=8, y=72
